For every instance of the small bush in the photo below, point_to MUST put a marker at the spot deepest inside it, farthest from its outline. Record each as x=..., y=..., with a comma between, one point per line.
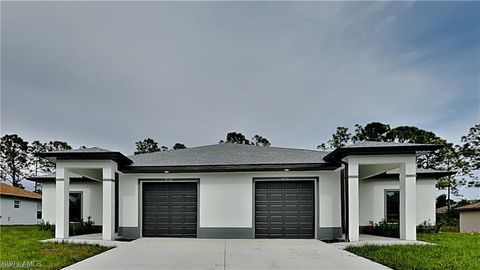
x=449, y=229
x=383, y=228
x=83, y=227
x=75, y=228
x=427, y=227
x=46, y=226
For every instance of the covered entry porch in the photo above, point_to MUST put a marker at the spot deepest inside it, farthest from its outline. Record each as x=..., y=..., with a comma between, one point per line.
x=99, y=194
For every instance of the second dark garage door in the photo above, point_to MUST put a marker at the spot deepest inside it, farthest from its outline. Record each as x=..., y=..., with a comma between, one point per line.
x=284, y=209
x=169, y=209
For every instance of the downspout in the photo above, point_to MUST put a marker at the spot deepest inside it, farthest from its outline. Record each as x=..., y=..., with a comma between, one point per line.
x=345, y=195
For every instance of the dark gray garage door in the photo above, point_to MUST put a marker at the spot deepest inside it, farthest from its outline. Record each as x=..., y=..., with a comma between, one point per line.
x=284, y=209
x=170, y=209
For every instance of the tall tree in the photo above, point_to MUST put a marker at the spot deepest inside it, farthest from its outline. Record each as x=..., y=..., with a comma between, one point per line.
x=470, y=156
x=340, y=138
x=14, y=159
x=374, y=131
x=146, y=146
x=236, y=137
x=260, y=141
x=178, y=146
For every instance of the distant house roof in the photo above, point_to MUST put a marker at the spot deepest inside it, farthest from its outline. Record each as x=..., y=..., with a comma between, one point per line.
x=7, y=190
x=470, y=207
x=380, y=148
x=231, y=157
x=87, y=153
x=421, y=173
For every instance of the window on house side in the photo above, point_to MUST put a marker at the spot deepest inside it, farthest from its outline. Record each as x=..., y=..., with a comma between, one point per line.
x=16, y=204
x=392, y=206
x=39, y=210
x=75, y=206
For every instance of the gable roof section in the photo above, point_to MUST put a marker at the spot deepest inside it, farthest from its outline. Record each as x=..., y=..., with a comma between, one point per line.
x=7, y=190
x=230, y=157
x=87, y=153
x=380, y=148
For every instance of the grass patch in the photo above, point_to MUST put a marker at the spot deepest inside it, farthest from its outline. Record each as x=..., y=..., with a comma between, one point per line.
x=20, y=244
x=453, y=251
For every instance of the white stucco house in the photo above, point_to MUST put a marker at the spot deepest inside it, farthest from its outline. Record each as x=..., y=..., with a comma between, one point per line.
x=242, y=191
x=19, y=206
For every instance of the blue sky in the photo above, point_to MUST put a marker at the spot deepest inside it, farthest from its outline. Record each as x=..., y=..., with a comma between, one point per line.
x=111, y=73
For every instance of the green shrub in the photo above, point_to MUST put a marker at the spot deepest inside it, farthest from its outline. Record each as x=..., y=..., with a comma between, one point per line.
x=427, y=227
x=75, y=228
x=449, y=229
x=383, y=228
x=46, y=226
x=83, y=227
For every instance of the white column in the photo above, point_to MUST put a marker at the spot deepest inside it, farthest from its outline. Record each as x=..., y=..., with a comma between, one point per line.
x=62, y=203
x=408, y=214
x=108, y=212
x=353, y=203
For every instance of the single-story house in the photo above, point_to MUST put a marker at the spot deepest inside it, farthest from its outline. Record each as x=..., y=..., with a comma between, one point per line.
x=469, y=217
x=19, y=206
x=243, y=191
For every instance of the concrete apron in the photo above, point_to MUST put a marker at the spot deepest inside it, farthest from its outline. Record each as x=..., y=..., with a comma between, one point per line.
x=169, y=253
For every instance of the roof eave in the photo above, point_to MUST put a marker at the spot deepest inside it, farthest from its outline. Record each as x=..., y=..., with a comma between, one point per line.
x=342, y=152
x=231, y=168
x=118, y=157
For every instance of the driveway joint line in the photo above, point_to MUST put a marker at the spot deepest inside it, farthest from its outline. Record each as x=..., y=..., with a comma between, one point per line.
x=225, y=255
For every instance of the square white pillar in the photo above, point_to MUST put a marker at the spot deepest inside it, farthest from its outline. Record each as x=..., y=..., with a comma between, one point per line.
x=108, y=212
x=353, y=203
x=408, y=179
x=62, y=199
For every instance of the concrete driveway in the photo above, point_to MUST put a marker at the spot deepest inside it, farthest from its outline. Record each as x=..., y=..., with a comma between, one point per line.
x=168, y=253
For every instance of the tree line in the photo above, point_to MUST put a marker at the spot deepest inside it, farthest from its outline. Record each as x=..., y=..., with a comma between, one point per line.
x=19, y=160
x=149, y=145
x=18, y=157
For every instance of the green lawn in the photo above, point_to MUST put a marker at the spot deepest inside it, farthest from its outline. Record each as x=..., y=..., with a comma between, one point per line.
x=20, y=244
x=453, y=251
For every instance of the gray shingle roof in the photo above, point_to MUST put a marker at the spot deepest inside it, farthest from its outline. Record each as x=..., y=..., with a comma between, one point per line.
x=228, y=154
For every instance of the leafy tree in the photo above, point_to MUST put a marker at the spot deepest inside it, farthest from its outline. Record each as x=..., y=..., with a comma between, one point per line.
x=340, y=138
x=260, y=141
x=236, y=137
x=374, y=131
x=179, y=146
x=462, y=159
x=163, y=148
x=41, y=165
x=14, y=159
x=146, y=146
x=442, y=201
x=470, y=154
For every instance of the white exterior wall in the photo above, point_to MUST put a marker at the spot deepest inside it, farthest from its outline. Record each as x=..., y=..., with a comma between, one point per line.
x=470, y=221
x=372, y=199
x=329, y=200
x=91, y=200
x=26, y=214
x=225, y=199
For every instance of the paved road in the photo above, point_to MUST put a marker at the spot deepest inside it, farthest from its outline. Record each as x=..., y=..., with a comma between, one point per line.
x=218, y=254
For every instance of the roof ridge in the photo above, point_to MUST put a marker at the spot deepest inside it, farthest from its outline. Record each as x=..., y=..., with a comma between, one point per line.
x=231, y=144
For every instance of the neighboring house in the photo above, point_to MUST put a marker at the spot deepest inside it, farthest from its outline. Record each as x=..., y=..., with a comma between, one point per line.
x=453, y=206
x=470, y=217
x=19, y=206
x=242, y=191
